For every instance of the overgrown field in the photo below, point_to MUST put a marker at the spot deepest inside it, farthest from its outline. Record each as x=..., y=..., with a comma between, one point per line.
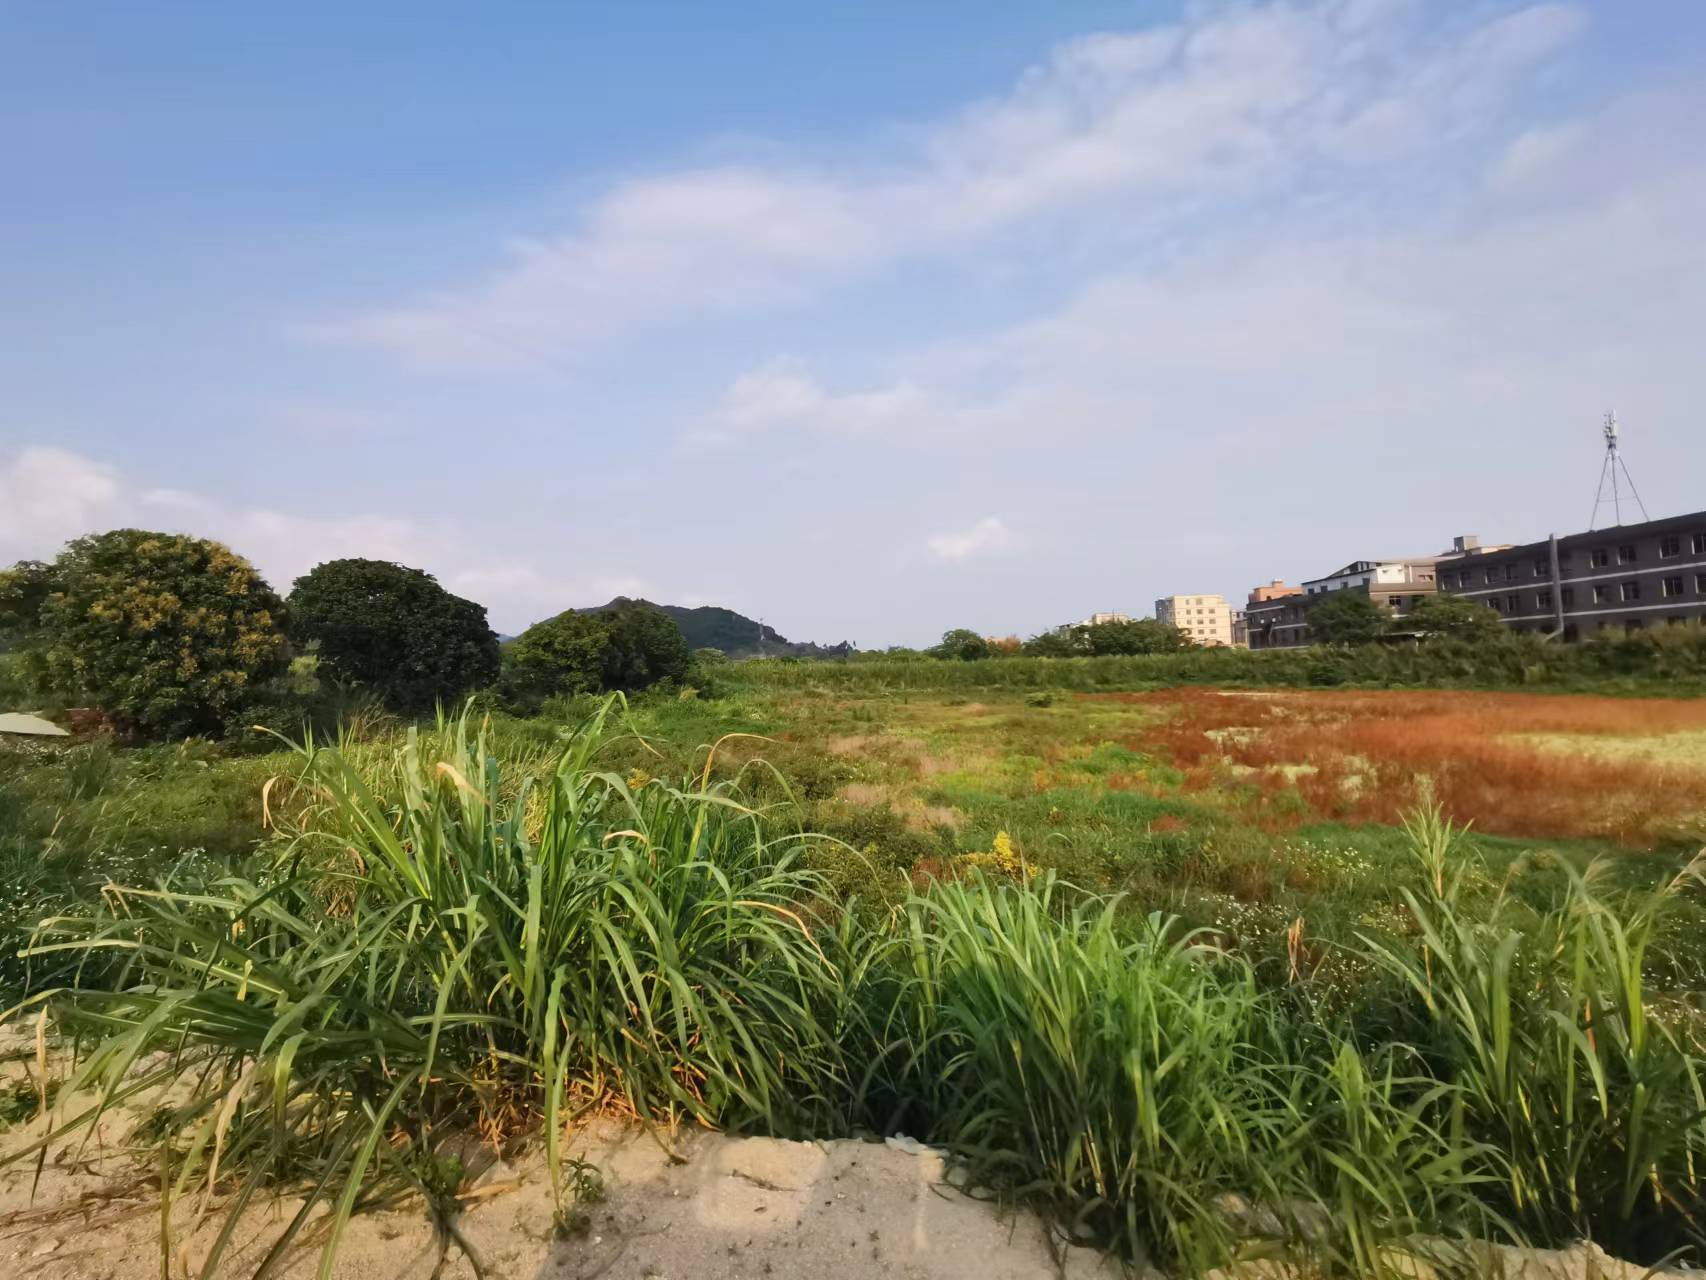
x=1128, y=953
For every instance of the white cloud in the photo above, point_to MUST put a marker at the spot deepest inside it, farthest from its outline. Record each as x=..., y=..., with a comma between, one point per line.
x=781, y=395
x=987, y=537
x=1129, y=126
x=49, y=496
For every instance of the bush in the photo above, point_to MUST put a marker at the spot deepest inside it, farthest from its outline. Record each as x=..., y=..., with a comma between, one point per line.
x=393, y=630
x=964, y=645
x=1346, y=618
x=627, y=647
x=166, y=633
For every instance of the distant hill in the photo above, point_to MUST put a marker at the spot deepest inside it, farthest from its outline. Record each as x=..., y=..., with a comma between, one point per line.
x=711, y=627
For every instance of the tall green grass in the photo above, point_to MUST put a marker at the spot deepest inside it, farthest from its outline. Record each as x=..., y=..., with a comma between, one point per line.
x=446, y=954
x=1668, y=660
x=449, y=940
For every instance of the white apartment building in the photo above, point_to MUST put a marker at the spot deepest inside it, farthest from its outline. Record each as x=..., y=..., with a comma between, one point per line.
x=1206, y=620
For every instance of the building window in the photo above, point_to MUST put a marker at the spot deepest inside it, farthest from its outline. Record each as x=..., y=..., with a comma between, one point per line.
x=1542, y=567
x=1700, y=583
x=1494, y=604
x=1513, y=603
x=1510, y=573
x=1631, y=590
x=1601, y=593
x=1700, y=544
x=1626, y=553
x=1488, y=576
x=1601, y=557
x=1542, y=599
x=1572, y=633
x=1669, y=545
x=1568, y=596
x=1671, y=586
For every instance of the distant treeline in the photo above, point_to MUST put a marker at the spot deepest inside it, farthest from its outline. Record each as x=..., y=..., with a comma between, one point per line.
x=1669, y=660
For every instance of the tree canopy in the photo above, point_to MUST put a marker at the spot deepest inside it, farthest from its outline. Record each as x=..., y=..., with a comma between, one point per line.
x=1451, y=617
x=166, y=633
x=1346, y=617
x=24, y=592
x=628, y=646
x=1136, y=635
x=963, y=644
x=1140, y=635
x=393, y=630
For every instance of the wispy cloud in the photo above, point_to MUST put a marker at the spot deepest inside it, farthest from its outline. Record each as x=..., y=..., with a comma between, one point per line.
x=988, y=536
x=1137, y=126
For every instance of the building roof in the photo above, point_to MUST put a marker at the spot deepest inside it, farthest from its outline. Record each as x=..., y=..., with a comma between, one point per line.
x=23, y=723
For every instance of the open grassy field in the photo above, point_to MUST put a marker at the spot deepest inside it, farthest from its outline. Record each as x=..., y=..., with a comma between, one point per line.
x=1127, y=953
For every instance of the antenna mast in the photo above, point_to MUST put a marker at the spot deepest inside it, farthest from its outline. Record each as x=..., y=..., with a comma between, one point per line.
x=1609, y=476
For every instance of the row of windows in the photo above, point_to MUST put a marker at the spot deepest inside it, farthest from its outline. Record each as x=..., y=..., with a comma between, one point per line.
x=1603, y=593
x=1670, y=546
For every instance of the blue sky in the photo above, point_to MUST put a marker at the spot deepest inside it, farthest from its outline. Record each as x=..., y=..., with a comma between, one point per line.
x=871, y=320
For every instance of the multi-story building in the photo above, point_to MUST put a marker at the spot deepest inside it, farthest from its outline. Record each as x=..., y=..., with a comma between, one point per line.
x=1240, y=629
x=1623, y=578
x=1267, y=619
x=1097, y=619
x=1282, y=621
x=1207, y=620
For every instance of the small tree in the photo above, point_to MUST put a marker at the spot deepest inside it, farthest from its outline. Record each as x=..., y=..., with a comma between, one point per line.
x=560, y=656
x=1452, y=618
x=645, y=647
x=1062, y=642
x=393, y=630
x=1141, y=635
x=167, y=634
x=1346, y=618
x=628, y=647
x=962, y=644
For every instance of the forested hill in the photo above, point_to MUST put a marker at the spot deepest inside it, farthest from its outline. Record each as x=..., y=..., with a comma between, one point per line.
x=712, y=627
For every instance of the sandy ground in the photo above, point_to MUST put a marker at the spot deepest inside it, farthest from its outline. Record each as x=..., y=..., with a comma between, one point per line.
x=724, y=1207
x=711, y=1208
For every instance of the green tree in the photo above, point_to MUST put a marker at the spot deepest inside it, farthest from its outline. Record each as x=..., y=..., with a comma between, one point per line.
x=629, y=646
x=560, y=656
x=393, y=630
x=1141, y=635
x=24, y=592
x=963, y=645
x=166, y=633
x=1346, y=618
x=1062, y=642
x=1451, y=617
x=645, y=647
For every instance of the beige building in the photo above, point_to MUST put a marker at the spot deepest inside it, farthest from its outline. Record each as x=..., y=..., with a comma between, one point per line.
x=1205, y=619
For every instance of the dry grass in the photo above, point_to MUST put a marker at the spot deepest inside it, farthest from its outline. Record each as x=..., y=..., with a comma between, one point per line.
x=1491, y=758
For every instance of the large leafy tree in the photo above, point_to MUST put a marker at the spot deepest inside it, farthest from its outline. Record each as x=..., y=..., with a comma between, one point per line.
x=629, y=646
x=1346, y=618
x=24, y=592
x=1451, y=617
x=962, y=644
x=645, y=646
x=394, y=630
x=1140, y=635
x=166, y=633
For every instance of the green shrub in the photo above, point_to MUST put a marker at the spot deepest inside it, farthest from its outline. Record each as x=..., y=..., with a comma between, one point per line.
x=394, y=631
x=167, y=634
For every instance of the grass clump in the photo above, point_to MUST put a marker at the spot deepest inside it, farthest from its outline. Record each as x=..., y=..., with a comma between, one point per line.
x=489, y=931
x=445, y=954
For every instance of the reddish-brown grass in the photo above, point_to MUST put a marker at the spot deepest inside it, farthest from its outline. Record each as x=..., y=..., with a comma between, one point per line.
x=1369, y=754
